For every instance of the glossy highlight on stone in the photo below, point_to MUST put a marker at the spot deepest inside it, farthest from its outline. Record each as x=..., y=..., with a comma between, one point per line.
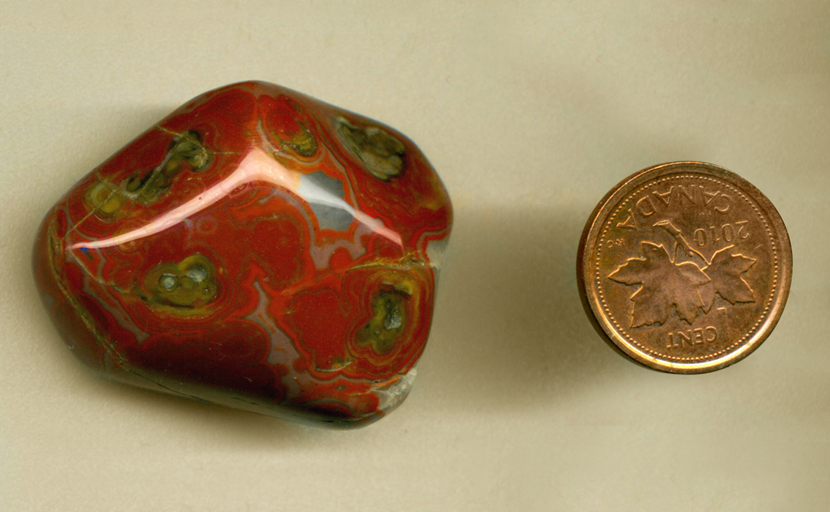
x=258, y=249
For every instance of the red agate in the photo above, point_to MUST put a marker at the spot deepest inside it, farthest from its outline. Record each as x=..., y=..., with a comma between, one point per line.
x=258, y=249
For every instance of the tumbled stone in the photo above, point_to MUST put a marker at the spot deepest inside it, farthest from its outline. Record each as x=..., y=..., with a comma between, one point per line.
x=258, y=249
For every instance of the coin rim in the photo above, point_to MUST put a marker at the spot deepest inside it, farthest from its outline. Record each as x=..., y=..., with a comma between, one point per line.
x=585, y=267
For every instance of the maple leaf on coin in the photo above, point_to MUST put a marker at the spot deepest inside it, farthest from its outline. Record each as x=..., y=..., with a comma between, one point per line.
x=725, y=272
x=663, y=285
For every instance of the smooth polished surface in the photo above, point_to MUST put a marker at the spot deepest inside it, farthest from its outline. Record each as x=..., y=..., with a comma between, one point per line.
x=529, y=111
x=258, y=249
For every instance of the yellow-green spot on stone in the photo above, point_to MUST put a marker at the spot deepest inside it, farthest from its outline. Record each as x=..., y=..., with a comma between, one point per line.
x=158, y=182
x=184, y=287
x=381, y=153
x=149, y=186
x=188, y=147
x=304, y=143
x=387, y=323
x=104, y=198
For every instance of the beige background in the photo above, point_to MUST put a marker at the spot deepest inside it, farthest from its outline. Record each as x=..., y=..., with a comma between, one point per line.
x=530, y=111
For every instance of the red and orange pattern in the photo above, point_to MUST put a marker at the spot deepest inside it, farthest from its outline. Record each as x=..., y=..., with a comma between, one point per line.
x=258, y=249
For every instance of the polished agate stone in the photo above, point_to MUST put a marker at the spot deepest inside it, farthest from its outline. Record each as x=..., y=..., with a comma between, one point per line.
x=258, y=249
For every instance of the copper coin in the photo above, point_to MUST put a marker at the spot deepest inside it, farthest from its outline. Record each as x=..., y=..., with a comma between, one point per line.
x=685, y=267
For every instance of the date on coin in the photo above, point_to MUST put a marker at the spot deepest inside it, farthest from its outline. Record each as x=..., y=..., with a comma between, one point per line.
x=685, y=267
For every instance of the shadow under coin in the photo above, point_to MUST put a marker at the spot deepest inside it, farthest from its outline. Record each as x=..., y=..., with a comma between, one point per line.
x=509, y=329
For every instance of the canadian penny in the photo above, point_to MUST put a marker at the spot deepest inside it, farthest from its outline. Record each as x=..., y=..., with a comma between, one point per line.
x=685, y=267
